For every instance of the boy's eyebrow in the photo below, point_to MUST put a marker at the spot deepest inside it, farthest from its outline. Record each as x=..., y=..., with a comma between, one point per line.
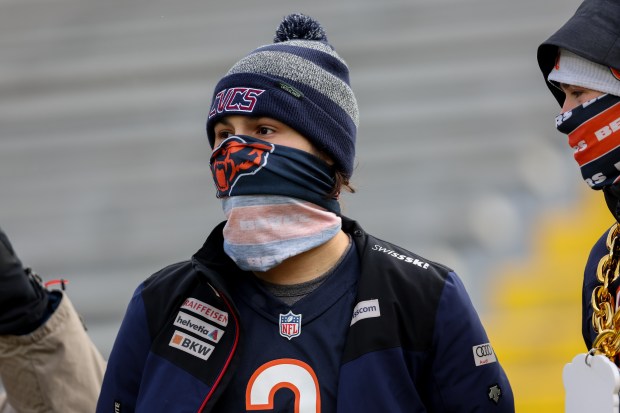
x=569, y=86
x=565, y=86
x=223, y=121
x=260, y=119
x=226, y=122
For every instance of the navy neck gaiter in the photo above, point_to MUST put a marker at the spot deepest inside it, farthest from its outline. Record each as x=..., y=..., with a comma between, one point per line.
x=243, y=165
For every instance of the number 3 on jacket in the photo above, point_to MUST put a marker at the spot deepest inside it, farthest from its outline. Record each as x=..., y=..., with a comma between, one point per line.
x=284, y=373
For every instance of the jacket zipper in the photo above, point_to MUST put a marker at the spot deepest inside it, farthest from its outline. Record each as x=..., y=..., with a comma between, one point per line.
x=230, y=356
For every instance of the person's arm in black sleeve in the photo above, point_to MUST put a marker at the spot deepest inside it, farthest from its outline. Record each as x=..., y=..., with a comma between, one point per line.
x=47, y=360
x=24, y=303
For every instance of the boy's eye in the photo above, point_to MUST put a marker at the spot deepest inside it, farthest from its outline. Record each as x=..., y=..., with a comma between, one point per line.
x=264, y=130
x=222, y=135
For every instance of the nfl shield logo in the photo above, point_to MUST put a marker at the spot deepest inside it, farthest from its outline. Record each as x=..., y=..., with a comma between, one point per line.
x=290, y=325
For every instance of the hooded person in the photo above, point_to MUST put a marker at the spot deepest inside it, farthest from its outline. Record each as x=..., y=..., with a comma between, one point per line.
x=581, y=66
x=289, y=306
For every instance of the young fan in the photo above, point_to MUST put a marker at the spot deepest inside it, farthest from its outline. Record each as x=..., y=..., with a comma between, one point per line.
x=290, y=306
x=580, y=63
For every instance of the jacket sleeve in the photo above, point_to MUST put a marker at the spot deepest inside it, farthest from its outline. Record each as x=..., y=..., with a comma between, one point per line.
x=465, y=369
x=55, y=368
x=121, y=383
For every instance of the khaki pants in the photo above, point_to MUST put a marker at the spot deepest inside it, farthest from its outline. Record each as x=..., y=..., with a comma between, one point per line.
x=56, y=368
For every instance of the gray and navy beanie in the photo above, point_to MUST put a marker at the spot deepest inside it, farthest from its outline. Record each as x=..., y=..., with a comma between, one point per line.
x=299, y=80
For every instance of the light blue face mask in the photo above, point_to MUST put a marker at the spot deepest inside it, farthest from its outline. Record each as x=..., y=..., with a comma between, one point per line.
x=264, y=230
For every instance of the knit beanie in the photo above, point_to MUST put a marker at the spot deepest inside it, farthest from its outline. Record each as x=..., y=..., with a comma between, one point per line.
x=572, y=69
x=298, y=80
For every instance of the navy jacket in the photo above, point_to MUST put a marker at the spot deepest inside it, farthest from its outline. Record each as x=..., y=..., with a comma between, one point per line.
x=426, y=351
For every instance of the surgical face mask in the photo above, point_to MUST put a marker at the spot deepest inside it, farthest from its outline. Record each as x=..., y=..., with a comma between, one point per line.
x=593, y=131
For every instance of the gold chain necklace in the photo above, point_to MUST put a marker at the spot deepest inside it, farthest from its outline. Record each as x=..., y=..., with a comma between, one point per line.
x=605, y=319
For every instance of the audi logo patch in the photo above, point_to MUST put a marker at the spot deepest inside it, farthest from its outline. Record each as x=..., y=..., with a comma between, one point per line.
x=484, y=354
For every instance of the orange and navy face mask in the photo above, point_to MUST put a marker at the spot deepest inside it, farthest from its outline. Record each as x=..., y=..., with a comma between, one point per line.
x=593, y=131
x=243, y=165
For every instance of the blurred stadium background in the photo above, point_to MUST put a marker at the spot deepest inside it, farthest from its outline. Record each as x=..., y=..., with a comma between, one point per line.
x=104, y=162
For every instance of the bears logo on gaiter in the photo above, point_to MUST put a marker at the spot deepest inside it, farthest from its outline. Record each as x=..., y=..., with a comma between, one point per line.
x=235, y=158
